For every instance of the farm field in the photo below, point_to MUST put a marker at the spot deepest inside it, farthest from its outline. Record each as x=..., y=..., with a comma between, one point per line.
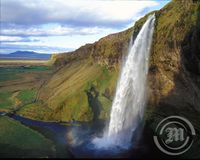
x=19, y=84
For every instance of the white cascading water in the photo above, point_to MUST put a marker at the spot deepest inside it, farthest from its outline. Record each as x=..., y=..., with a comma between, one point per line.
x=130, y=99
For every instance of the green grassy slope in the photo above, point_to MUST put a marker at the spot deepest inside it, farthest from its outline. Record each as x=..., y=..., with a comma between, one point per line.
x=26, y=96
x=5, y=101
x=66, y=91
x=16, y=140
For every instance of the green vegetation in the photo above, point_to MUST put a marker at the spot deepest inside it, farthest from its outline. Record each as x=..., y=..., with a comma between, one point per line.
x=15, y=73
x=5, y=100
x=21, y=69
x=35, y=111
x=36, y=68
x=26, y=96
x=20, y=84
x=16, y=140
x=66, y=94
x=11, y=100
x=6, y=75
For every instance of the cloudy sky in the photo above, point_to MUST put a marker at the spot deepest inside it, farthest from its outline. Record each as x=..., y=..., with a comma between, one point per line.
x=50, y=26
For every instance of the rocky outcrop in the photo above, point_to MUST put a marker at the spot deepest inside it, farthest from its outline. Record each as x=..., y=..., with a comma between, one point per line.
x=106, y=51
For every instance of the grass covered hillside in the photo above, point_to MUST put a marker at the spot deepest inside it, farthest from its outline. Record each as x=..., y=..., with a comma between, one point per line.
x=66, y=91
x=22, y=142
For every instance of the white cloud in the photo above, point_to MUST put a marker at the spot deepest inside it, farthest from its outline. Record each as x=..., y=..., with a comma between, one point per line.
x=103, y=10
x=10, y=39
x=55, y=30
x=66, y=24
x=4, y=39
x=76, y=12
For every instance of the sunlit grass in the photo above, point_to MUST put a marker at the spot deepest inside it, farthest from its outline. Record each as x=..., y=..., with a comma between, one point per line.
x=26, y=96
x=5, y=101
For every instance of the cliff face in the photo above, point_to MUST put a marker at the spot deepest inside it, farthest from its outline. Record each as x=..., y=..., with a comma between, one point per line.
x=107, y=51
x=174, y=72
x=174, y=75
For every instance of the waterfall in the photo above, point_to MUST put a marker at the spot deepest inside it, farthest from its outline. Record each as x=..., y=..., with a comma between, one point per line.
x=130, y=98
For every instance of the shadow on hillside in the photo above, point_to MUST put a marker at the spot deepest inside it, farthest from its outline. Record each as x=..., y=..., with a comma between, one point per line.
x=94, y=103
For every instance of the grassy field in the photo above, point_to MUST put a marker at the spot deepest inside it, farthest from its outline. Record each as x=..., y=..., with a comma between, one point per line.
x=13, y=100
x=5, y=101
x=16, y=72
x=26, y=96
x=35, y=111
x=19, y=84
x=17, y=140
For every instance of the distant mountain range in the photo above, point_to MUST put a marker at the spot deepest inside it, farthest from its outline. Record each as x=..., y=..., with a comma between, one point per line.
x=26, y=55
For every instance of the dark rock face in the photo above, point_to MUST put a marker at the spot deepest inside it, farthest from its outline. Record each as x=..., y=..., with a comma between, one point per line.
x=191, y=52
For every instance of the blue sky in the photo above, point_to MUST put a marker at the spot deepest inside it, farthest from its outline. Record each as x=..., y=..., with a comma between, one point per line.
x=53, y=26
